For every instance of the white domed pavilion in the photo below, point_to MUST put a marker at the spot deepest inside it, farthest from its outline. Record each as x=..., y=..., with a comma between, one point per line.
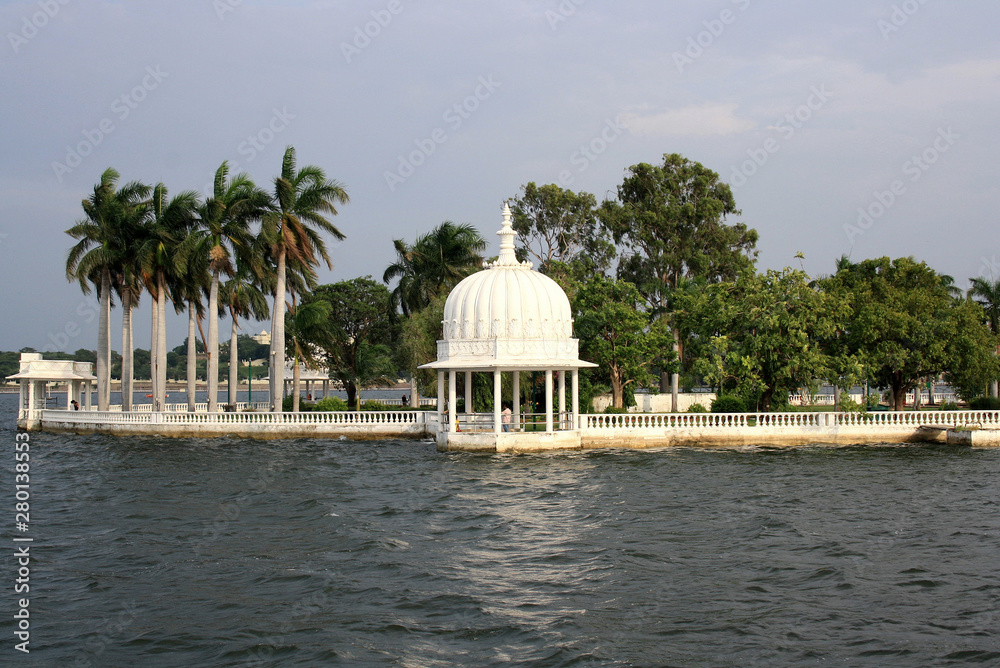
x=507, y=319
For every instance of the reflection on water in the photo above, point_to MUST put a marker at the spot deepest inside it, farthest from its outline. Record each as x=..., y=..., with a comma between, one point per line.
x=165, y=552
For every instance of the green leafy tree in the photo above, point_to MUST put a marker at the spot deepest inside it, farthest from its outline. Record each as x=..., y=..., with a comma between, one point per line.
x=669, y=221
x=617, y=334
x=763, y=334
x=558, y=225
x=302, y=200
x=986, y=293
x=972, y=362
x=428, y=270
x=417, y=344
x=305, y=324
x=900, y=323
x=361, y=317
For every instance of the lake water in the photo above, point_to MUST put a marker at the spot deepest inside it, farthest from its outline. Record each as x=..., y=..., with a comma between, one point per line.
x=188, y=552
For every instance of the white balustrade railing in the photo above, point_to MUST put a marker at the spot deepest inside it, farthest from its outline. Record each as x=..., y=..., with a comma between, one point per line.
x=594, y=424
x=343, y=418
x=198, y=407
x=886, y=419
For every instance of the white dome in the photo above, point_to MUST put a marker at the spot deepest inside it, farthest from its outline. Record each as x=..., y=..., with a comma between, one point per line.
x=507, y=302
x=507, y=314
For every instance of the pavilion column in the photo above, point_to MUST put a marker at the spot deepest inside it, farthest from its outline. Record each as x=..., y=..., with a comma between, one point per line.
x=88, y=400
x=516, y=412
x=562, y=399
x=326, y=389
x=497, y=400
x=468, y=392
x=548, y=400
x=308, y=388
x=576, y=398
x=440, y=398
x=32, y=390
x=452, y=407
x=70, y=387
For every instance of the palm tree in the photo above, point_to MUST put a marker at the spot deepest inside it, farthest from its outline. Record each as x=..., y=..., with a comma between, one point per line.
x=431, y=267
x=128, y=282
x=243, y=297
x=292, y=229
x=305, y=323
x=986, y=293
x=434, y=264
x=100, y=253
x=192, y=283
x=170, y=222
x=225, y=218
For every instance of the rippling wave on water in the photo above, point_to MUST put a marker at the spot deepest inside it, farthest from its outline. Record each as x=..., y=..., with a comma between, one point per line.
x=187, y=552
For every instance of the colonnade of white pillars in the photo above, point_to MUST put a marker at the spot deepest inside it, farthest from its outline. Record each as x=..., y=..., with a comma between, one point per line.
x=287, y=385
x=447, y=406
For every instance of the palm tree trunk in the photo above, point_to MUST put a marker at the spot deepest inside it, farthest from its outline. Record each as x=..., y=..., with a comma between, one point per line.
x=296, y=376
x=278, y=337
x=234, y=363
x=192, y=359
x=675, y=379
x=154, y=367
x=126, y=350
x=213, y=344
x=161, y=347
x=104, y=345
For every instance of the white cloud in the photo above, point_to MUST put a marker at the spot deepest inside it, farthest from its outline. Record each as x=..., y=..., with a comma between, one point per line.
x=700, y=121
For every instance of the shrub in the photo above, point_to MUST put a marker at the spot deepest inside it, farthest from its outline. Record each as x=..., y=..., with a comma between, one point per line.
x=985, y=404
x=697, y=408
x=848, y=405
x=728, y=405
x=330, y=404
x=948, y=406
x=611, y=410
x=304, y=406
x=372, y=405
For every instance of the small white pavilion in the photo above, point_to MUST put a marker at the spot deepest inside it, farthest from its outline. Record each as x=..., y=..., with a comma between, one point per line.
x=35, y=374
x=508, y=319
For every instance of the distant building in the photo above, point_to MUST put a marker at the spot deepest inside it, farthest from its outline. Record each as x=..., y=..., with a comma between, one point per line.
x=264, y=338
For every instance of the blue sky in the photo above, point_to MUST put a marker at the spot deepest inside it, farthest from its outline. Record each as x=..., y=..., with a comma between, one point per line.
x=866, y=128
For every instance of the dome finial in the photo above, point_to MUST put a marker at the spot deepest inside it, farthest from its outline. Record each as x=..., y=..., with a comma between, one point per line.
x=507, y=257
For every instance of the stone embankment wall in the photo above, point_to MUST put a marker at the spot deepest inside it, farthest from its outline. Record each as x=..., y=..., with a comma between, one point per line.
x=634, y=430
